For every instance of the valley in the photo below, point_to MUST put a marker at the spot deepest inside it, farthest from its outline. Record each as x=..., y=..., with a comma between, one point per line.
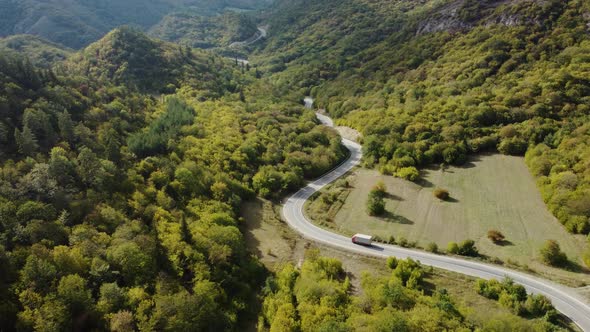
x=163, y=166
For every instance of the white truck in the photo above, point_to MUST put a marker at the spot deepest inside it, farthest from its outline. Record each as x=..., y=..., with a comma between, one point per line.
x=362, y=239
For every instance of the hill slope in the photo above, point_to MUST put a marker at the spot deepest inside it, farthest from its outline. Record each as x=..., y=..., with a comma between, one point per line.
x=429, y=82
x=77, y=23
x=41, y=52
x=127, y=56
x=200, y=31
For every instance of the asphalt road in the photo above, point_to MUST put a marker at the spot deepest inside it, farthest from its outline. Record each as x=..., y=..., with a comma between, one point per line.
x=564, y=299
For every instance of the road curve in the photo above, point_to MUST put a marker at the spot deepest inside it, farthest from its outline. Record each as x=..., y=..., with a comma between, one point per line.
x=564, y=299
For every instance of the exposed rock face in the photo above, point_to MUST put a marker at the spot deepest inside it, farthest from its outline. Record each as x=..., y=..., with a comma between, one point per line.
x=452, y=16
x=447, y=21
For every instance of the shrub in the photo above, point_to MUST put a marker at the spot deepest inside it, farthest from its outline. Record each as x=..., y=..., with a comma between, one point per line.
x=441, y=194
x=376, y=202
x=495, y=236
x=551, y=254
x=392, y=262
x=379, y=189
x=391, y=240
x=408, y=173
x=538, y=305
x=403, y=242
x=375, y=205
x=432, y=247
x=453, y=248
x=467, y=248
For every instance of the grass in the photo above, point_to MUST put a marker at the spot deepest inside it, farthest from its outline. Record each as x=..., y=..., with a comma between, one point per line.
x=490, y=192
x=275, y=244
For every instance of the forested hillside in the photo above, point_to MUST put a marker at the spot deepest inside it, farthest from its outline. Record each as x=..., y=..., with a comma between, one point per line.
x=39, y=51
x=317, y=297
x=431, y=82
x=77, y=23
x=127, y=56
x=192, y=29
x=118, y=210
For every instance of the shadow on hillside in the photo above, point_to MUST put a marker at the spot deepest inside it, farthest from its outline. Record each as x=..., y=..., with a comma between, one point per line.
x=422, y=182
x=452, y=200
x=504, y=243
x=575, y=267
x=392, y=217
x=393, y=197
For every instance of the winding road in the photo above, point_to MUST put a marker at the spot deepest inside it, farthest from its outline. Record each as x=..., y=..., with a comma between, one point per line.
x=261, y=33
x=564, y=299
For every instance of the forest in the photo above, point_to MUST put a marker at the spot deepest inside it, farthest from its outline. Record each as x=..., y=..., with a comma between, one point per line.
x=78, y=23
x=118, y=209
x=427, y=84
x=123, y=165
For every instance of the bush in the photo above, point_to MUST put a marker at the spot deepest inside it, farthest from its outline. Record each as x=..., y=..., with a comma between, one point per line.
x=514, y=297
x=495, y=236
x=376, y=202
x=441, y=194
x=453, y=248
x=538, y=305
x=403, y=242
x=392, y=262
x=467, y=248
x=408, y=173
x=391, y=240
x=551, y=254
x=375, y=205
x=432, y=247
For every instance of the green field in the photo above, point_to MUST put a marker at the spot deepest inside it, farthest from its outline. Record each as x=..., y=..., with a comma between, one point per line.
x=490, y=192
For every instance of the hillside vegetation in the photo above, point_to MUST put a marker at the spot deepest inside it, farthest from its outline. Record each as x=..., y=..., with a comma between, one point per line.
x=77, y=23
x=118, y=210
x=431, y=82
x=194, y=30
x=40, y=52
x=127, y=56
x=317, y=297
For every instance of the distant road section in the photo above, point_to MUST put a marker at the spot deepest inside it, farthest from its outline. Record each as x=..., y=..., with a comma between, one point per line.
x=564, y=299
x=261, y=33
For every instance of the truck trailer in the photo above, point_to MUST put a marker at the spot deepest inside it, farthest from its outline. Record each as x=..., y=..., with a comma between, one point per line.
x=362, y=239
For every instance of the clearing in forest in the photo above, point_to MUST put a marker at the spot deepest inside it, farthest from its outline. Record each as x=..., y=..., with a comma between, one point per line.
x=490, y=192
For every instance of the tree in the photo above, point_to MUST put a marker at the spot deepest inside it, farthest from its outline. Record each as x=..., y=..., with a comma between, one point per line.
x=551, y=254
x=408, y=173
x=61, y=168
x=26, y=141
x=453, y=248
x=89, y=167
x=38, y=274
x=538, y=305
x=467, y=248
x=122, y=321
x=441, y=194
x=112, y=298
x=285, y=319
x=66, y=126
x=432, y=247
x=375, y=203
x=135, y=264
x=74, y=294
x=495, y=236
